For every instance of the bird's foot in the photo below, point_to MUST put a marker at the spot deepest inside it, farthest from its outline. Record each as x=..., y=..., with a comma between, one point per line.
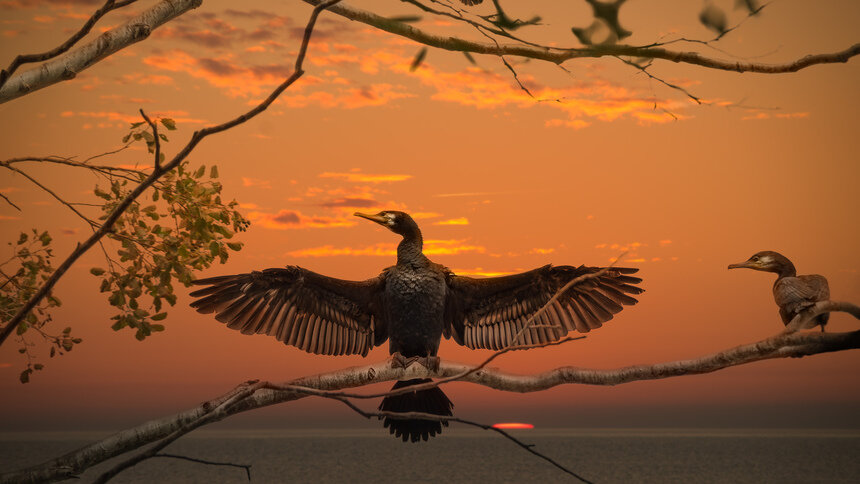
x=400, y=361
x=430, y=362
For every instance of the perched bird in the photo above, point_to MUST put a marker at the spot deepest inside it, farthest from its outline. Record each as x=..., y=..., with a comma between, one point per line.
x=791, y=292
x=412, y=304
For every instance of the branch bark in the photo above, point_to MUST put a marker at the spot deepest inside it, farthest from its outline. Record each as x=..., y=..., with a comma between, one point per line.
x=559, y=55
x=255, y=394
x=68, y=66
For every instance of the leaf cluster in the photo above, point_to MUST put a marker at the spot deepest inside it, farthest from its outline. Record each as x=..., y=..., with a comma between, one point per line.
x=31, y=259
x=185, y=228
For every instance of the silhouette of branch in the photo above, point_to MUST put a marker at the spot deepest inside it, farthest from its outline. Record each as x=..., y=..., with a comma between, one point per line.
x=10, y=202
x=247, y=467
x=158, y=172
x=68, y=44
x=65, y=66
x=558, y=55
x=256, y=394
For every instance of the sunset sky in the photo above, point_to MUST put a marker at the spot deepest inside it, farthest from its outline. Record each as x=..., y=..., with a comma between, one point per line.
x=601, y=161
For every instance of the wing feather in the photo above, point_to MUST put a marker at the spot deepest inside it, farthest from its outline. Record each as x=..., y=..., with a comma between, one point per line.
x=301, y=308
x=489, y=313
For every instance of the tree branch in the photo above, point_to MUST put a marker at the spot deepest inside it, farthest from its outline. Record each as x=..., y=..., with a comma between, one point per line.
x=258, y=395
x=196, y=138
x=71, y=63
x=559, y=55
x=65, y=46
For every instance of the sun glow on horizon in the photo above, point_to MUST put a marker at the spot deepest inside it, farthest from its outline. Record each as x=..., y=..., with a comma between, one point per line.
x=513, y=425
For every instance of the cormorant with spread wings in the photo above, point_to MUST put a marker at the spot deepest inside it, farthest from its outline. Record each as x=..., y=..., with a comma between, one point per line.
x=412, y=305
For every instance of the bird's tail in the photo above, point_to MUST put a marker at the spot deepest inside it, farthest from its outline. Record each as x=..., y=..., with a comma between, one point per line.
x=432, y=401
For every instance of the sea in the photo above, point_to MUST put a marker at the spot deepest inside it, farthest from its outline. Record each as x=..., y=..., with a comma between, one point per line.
x=476, y=456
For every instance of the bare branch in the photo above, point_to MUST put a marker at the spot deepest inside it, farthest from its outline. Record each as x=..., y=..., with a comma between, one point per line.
x=558, y=55
x=68, y=65
x=247, y=467
x=60, y=199
x=156, y=174
x=68, y=44
x=10, y=202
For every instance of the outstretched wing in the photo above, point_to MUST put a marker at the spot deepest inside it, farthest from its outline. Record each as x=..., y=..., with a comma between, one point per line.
x=489, y=313
x=315, y=313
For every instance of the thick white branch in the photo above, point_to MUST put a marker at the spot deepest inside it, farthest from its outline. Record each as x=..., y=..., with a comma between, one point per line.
x=255, y=395
x=558, y=55
x=68, y=65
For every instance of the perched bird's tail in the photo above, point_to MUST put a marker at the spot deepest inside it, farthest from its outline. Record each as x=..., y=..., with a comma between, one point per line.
x=432, y=401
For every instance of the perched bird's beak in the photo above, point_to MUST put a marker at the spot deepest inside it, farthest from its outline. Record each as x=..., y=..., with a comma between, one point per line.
x=374, y=218
x=746, y=264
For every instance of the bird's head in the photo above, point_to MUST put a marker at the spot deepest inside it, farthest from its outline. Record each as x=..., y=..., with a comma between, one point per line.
x=766, y=260
x=397, y=222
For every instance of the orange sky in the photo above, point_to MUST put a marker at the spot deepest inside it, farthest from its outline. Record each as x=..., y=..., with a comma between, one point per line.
x=500, y=182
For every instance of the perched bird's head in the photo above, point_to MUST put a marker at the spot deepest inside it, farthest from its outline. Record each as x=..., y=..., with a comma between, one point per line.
x=397, y=222
x=766, y=260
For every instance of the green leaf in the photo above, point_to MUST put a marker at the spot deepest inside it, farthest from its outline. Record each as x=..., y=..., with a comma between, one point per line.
x=96, y=271
x=156, y=327
x=168, y=123
x=134, y=125
x=147, y=136
x=22, y=328
x=158, y=317
x=237, y=246
x=45, y=238
x=213, y=172
x=200, y=171
x=38, y=366
x=22, y=239
x=25, y=376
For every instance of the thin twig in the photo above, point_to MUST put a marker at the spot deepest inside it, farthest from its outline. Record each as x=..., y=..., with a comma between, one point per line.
x=247, y=467
x=57, y=197
x=10, y=202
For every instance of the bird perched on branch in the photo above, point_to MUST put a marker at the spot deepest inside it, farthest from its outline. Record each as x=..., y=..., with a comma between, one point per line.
x=791, y=292
x=412, y=304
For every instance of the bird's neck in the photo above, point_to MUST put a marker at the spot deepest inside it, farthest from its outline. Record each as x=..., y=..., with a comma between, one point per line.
x=786, y=269
x=409, y=250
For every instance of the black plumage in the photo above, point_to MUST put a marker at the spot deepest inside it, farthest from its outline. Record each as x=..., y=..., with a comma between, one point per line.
x=791, y=292
x=412, y=305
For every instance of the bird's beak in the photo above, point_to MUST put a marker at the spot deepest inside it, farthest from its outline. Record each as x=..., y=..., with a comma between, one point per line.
x=746, y=264
x=373, y=218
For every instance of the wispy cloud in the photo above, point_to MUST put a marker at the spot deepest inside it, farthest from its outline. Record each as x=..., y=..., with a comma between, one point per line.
x=453, y=221
x=357, y=177
x=292, y=219
x=256, y=182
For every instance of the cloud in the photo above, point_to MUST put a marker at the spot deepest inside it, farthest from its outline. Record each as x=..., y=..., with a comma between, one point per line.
x=356, y=177
x=431, y=247
x=292, y=219
x=179, y=116
x=541, y=251
x=256, y=182
x=350, y=203
x=453, y=221
x=760, y=116
x=665, y=242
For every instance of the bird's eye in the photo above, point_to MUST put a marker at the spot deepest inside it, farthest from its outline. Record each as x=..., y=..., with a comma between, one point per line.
x=754, y=258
